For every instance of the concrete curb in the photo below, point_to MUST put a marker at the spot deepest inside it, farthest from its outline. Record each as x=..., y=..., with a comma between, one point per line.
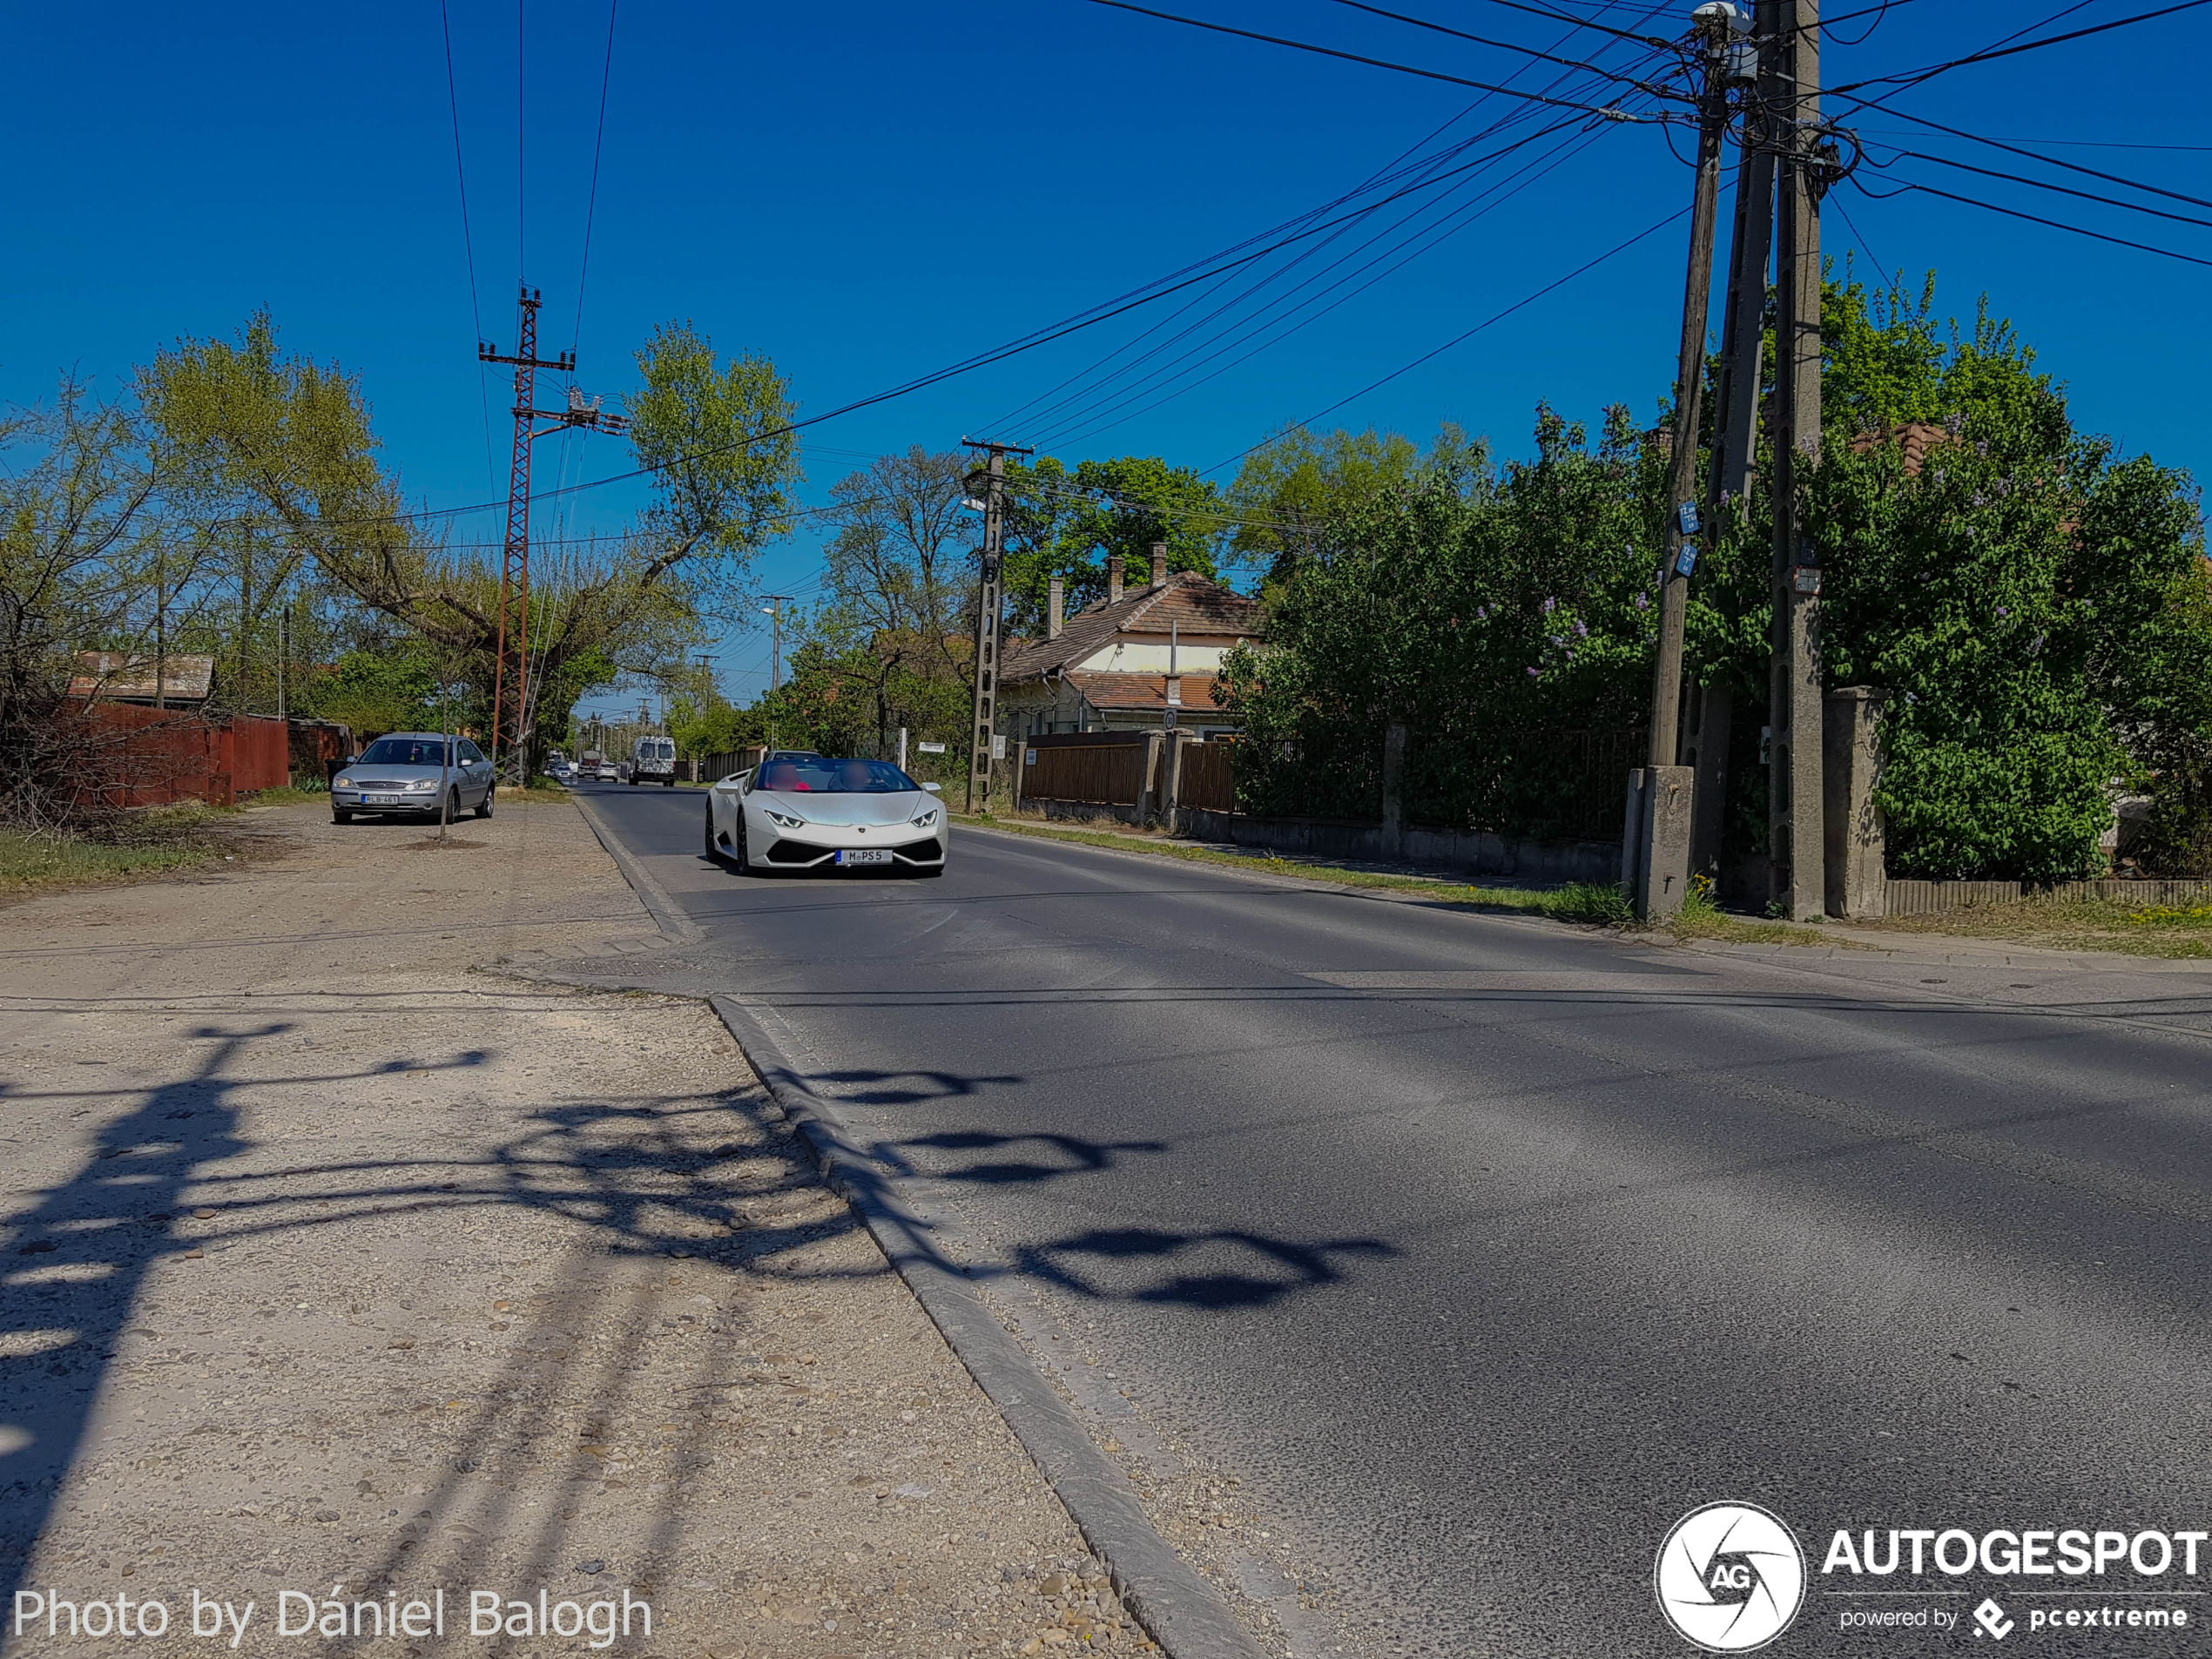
x=674, y=924
x=1179, y=1609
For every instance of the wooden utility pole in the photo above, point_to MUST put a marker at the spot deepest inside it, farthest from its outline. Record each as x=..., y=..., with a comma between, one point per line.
x=1796, y=826
x=989, y=596
x=1689, y=386
x=1736, y=388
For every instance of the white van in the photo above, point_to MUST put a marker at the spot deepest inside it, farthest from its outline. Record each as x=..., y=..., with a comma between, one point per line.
x=653, y=761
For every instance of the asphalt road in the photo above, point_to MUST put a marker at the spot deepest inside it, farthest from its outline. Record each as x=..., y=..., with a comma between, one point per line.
x=1481, y=1250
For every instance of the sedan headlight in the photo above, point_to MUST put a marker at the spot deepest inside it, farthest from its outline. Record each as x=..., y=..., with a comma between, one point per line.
x=341, y=781
x=784, y=821
x=423, y=785
x=927, y=817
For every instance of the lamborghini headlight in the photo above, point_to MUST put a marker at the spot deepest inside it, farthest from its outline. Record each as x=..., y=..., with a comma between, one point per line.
x=925, y=818
x=784, y=821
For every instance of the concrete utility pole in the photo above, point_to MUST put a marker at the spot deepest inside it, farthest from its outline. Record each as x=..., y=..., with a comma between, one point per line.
x=1660, y=796
x=1796, y=828
x=989, y=594
x=1737, y=387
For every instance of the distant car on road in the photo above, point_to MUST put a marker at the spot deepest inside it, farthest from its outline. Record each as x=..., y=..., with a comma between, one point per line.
x=399, y=775
x=808, y=812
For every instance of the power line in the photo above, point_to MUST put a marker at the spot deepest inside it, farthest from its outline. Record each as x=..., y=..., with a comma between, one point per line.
x=1915, y=77
x=1592, y=24
x=2069, y=144
x=467, y=240
x=591, y=207
x=521, y=200
x=1426, y=173
x=2063, y=189
x=1105, y=312
x=1502, y=45
x=1880, y=14
x=2011, y=149
x=1608, y=113
x=1080, y=413
x=1435, y=235
x=1617, y=248
x=2014, y=212
x=1865, y=246
x=1391, y=169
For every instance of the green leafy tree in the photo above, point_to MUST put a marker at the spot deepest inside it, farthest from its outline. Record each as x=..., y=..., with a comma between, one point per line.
x=1292, y=484
x=1068, y=524
x=247, y=428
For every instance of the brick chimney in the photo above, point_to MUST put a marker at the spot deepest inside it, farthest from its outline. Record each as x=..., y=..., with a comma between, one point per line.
x=1056, y=611
x=1114, y=580
x=1159, y=564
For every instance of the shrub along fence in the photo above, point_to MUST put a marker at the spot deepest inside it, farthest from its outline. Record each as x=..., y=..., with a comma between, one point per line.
x=1208, y=790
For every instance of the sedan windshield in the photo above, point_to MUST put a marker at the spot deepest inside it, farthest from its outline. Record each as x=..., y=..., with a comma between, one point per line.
x=404, y=752
x=814, y=775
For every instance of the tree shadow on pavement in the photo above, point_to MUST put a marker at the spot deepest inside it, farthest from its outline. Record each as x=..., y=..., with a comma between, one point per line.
x=1287, y=1268
x=651, y=1182
x=78, y=1258
x=1260, y=1269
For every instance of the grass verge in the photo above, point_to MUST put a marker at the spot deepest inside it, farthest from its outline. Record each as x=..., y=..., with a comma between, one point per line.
x=149, y=842
x=2176, y=932
x=1590, y=903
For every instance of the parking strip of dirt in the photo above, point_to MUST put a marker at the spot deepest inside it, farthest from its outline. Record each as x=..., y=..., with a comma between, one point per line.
x=343, y=1281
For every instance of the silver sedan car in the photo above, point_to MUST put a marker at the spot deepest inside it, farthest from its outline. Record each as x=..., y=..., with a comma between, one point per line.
x=400, y=775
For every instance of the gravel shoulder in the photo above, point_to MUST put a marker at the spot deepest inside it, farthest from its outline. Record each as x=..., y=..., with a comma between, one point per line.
x=335, y=1266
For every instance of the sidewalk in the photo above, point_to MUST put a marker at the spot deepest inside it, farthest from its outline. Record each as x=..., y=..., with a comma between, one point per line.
x=339, y=1275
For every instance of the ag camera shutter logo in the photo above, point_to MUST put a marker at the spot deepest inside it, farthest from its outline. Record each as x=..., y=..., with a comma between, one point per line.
x=1731, y=1577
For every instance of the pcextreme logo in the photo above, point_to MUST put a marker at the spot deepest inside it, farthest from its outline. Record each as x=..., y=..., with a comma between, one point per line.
x=1731, y=1577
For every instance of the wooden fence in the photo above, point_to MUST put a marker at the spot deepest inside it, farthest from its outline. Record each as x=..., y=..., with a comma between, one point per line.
x=1102, y=768
x=1208, y=779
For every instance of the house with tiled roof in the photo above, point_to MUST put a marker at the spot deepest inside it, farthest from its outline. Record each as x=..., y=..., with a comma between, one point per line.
x=1123, y=665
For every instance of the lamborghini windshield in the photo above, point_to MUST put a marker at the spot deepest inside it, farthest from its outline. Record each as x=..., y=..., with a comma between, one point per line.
x=816, y=775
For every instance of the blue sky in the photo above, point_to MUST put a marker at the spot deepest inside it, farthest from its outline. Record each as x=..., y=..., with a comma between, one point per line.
x=868, y=191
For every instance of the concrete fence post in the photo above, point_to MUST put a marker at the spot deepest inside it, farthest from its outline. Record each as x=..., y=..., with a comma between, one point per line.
x=1147, y=788
x=1393, y=790
x=1172, y=778
x=1855, y=840
x=1632, y=837
x=1654, y=851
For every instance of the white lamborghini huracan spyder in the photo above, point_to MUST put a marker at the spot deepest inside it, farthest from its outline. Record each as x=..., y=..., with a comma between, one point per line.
x=806, y=811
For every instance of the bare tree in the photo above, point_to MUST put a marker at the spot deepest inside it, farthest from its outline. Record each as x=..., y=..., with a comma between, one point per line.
x=901, y=577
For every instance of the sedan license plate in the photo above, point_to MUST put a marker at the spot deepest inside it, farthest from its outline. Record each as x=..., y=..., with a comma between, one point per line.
x=865, y=855
x=379, y=800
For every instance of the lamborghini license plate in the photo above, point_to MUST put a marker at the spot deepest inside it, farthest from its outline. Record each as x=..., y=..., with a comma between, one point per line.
x=865, y=855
